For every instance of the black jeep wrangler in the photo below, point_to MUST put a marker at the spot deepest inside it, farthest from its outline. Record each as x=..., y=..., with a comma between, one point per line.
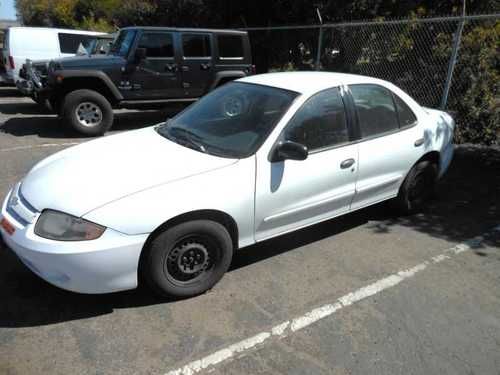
x=145, y=66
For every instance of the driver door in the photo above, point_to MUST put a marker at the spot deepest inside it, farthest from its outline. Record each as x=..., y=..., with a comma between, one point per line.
x=291, y=194
x=157, y=76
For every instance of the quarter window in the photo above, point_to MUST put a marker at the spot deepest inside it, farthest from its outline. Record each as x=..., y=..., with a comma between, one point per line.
x=406, y=115
x=196, y=45
x=375, y=109
x=157, y=44
x=320, y=122
x=230, y=46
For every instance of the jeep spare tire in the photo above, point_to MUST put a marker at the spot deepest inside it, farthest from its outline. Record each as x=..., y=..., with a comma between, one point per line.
x=87, y=112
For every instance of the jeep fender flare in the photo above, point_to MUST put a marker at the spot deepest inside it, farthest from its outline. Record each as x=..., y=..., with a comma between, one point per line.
x=91, y=74
x=233, y=74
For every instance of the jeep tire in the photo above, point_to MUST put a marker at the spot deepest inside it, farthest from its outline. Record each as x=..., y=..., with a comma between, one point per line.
x=87, y=112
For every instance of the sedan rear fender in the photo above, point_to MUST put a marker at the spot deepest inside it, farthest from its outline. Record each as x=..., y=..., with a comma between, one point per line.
x=438, y=135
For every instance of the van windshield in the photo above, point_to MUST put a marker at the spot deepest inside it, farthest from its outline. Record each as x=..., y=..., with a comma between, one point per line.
x=122, y=43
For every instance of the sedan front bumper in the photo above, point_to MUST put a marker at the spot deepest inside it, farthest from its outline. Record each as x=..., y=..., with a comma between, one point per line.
x=107, y=264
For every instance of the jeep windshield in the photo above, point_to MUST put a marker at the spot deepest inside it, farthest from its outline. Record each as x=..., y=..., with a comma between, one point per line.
x=232, y=121
x=122, y=43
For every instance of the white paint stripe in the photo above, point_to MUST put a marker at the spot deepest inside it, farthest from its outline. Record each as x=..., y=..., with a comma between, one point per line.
x=40, y=146
x=283, y=329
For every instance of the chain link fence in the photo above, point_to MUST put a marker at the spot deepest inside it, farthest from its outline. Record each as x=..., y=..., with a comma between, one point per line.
x=451, y=63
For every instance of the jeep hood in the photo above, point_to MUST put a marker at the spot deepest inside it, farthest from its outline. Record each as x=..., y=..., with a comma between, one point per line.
x=82, y=178
x=88, y=62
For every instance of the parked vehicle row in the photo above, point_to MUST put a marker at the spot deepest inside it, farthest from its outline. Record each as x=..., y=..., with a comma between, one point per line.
x=254, y=159
x=145, y=67
x=38, y=43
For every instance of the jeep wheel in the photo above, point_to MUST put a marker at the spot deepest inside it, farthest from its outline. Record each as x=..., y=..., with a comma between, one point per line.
x=88, y=112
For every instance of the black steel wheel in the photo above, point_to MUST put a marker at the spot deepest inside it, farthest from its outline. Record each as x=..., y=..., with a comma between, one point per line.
x=418, y=188
x=189, y=258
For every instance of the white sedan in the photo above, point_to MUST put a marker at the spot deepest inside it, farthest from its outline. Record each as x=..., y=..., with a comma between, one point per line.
x=256, y=158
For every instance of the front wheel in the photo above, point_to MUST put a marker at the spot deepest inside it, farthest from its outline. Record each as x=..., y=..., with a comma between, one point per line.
x=87, y=112
x=418, y=187
x=188, y=259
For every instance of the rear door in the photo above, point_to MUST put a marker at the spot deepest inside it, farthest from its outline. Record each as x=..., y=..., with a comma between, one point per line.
x=387, y=150
x=197, y=65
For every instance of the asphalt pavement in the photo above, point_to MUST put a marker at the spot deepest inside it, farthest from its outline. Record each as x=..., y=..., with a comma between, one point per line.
x=367, y=293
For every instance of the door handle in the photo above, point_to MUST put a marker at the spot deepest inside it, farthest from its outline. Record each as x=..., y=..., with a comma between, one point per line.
x=171, y=67
x=347, y=163
x=205, y=66
x=419, y=142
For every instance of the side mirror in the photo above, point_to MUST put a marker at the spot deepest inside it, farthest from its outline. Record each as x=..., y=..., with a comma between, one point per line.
x=289, y=150
x=140, y=54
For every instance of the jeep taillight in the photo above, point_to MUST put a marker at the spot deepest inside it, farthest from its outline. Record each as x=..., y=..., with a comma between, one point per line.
x=11, y=62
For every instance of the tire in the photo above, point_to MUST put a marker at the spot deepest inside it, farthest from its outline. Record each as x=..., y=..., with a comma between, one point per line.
x=188, y=259
x=87, y=112
x=418, y=188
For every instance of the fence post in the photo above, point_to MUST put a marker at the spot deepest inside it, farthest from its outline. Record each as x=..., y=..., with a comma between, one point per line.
x=452, y=62
x=320, y=46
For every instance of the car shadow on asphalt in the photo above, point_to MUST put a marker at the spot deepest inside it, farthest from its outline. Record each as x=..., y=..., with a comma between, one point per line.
x=23, y=108
x=467, y=202
x=49, y=126
x=467, y=205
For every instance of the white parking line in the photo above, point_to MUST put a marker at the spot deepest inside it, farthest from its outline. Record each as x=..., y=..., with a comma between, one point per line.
x=40, y=146
x=290, y=326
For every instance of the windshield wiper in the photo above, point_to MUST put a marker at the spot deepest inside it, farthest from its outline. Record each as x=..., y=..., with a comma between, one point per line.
x=186, y=137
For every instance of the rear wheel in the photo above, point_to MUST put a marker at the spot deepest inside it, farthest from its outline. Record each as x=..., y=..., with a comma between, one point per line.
x=418, y=188
x=87, y=112
x=188, y=259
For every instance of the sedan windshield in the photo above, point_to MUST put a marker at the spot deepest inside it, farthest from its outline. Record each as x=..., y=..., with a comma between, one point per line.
x=232, y=121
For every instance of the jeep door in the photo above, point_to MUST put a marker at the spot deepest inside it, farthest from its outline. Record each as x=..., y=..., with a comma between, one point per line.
x=157, y=75
x=291, y=194
x=197, y=66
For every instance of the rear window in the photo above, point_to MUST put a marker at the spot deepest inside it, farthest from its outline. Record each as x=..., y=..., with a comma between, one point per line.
x=230, y=46
x=196, y=45
x=69, y=42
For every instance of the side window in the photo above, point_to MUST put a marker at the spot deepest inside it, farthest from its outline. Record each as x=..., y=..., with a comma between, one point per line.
x=196, y=45
x=157, y=44
x=406, y=116
x=69, y=43
x=230, y=46
x=375, y=109
x=320, y=122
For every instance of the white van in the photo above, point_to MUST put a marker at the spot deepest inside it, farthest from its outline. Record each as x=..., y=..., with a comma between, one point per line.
x=38, y=43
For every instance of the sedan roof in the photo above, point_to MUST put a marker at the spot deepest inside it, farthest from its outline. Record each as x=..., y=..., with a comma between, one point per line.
x=307, y=82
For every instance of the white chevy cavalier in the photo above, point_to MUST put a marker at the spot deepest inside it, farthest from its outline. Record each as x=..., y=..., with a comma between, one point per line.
x=256, y=158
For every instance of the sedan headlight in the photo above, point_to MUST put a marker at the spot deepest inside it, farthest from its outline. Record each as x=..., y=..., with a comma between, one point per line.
x=59, y=226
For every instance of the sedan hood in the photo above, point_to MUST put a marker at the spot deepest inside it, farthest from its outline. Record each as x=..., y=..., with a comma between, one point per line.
x=82, y=178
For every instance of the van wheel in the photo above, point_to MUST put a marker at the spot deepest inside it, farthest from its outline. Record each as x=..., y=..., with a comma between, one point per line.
x=188, y=259
x=418, y=188
x=88, y=112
